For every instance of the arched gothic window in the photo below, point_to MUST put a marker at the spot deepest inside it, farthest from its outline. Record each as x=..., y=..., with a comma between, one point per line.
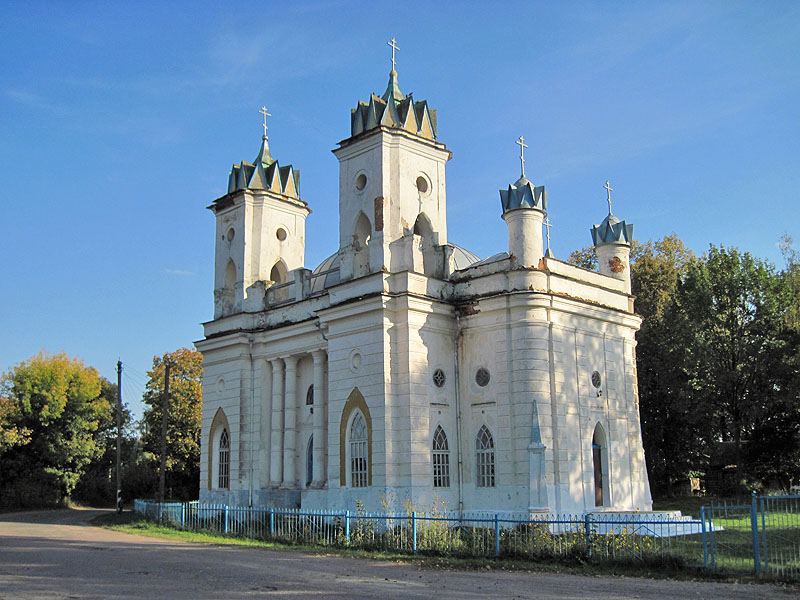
x=600, y=466
x=310, y=395
x=224, y=470
x=484, y=450
x=310, y=461
x=441, y=459
x=358, y=451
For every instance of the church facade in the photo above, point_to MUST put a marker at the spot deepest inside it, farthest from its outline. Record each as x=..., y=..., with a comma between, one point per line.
x=405, y=368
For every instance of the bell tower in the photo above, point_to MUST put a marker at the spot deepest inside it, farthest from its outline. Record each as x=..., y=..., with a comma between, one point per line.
x=260, y=232
x=391, y=183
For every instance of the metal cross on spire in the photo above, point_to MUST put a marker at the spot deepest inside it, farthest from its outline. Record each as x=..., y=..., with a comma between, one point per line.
x=522, y=146
x=609, y=189
x=264, y=112
x=548, y=224
x=394, y=46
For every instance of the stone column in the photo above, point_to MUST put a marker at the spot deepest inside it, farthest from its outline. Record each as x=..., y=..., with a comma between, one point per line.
x=276, y=441
x=290, y=424
x=320, y=421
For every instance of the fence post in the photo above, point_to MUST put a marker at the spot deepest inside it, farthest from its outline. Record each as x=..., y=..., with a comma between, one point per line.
x=271, y=522
x=705, y=539
x=226, y=518
x=764, y=552
x=183, y=516
x=496, y=535
x=414, y=532
x=588, y=533
x=347, y=526
x=754, y=528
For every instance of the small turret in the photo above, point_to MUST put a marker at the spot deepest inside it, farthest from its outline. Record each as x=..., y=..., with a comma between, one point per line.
x=612, y=245
x=524, y=210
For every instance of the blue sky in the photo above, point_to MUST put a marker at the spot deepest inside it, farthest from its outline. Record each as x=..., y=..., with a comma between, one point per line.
x=119, y=123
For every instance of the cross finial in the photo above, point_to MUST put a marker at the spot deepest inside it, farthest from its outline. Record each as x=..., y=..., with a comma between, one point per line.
x=394, y=46
x=609, y=189
x=264, y=112
x=522, y=146
x=548, y=224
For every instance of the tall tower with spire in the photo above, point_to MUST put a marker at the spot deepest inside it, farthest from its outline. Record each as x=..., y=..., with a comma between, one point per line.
x=391, y=183
x=260, y=234
x=524, y=210
x=612, y=245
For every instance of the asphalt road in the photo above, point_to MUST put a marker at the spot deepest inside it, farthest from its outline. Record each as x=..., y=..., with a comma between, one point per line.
x=56, y=554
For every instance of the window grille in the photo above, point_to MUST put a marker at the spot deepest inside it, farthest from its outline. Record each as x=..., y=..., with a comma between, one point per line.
x=358, y=452
x=441, y=459
x=485, y=458
x=224, y=460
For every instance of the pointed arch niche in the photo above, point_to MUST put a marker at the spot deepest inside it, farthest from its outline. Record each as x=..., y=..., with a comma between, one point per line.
x=228, y=288
x=219, y=426
x=424, y=229
x=601, y=479
x=361, y=238
x=355, y=407
x=279, y=275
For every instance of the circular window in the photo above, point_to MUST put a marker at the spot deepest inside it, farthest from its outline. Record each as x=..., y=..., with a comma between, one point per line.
x=230, y=234
x=482, y=377
x=280, y=234
x=422, y=185
x=596, y=379
x=439, y=378
x=361, y=181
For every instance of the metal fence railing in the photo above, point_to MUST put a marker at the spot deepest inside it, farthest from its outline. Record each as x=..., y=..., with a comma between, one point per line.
x=762, y=537
x=613, y=536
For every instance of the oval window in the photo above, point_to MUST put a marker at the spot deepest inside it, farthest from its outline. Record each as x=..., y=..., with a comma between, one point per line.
x=361, y=182
x=422, y=185
x=281, y=234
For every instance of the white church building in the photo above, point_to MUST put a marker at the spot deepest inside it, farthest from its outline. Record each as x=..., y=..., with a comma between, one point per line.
x=404, y=368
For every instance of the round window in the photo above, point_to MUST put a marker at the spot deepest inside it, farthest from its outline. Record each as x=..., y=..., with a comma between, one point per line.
x=596, y=379
x=361, y=182
x=280, y=234
x=422, y=185
x=482, y=377
x=230, y=234
x=439, y=378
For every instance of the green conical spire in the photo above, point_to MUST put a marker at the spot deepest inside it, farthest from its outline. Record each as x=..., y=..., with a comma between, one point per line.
x=393, y=89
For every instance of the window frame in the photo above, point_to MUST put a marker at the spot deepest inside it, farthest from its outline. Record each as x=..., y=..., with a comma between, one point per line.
x=440, y=458
x=485, y=462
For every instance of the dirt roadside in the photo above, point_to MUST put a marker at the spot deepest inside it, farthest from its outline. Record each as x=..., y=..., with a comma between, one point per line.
x=57, y=554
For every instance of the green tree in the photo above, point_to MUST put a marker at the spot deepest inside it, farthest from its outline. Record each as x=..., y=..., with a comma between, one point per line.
x=11, y=435
x=738, y=357
x=98, y=483
x=669, y=419
x=57, y=400
x=183, y=424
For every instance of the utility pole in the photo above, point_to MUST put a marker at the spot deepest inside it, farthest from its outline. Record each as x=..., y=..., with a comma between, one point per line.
x=164, y=416
x=119, y=435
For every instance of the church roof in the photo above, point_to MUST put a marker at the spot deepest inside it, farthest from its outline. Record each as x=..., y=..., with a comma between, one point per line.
x=327, y=272
x=523, y=194
x=264, y=173
x=395, y=110
x=612, y=231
